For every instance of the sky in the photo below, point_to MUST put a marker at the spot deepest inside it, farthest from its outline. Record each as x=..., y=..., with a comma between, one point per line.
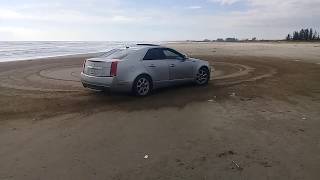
x=154, y=20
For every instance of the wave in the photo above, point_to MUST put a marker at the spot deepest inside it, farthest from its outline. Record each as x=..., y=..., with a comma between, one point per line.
x=24, y=50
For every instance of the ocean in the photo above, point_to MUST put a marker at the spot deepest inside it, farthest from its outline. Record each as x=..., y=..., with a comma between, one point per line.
x=24, y=50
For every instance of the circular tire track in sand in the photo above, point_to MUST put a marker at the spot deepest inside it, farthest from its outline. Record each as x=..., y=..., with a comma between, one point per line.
x=55, y=78
x=62, y=78
x=62, y=74
x=231, y=73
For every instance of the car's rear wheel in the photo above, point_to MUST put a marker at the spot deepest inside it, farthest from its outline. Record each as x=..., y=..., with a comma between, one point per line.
x=203, y=76
x=142, y=85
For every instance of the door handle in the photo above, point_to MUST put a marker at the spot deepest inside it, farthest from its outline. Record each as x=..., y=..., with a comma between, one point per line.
x=172, y=65
x=152, y=65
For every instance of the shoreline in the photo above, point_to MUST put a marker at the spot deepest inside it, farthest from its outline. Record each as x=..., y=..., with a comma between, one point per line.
x=81, y=55
x=185, y=43
x=26, y=50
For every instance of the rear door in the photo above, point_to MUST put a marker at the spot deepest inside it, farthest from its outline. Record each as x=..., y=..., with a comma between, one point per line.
x=179, y=67
x=156, y=65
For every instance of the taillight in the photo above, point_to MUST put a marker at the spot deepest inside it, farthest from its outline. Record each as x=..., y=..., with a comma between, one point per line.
x=113, y=70
x=84, y=65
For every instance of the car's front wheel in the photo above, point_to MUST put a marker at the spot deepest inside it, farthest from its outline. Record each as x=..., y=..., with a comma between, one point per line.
x=142, y=85
x=203, y=76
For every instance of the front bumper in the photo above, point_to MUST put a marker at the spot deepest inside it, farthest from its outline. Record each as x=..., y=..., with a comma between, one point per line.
x=104, y=83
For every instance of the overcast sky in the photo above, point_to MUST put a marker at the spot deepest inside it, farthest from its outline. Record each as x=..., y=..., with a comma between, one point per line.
x=154, y=20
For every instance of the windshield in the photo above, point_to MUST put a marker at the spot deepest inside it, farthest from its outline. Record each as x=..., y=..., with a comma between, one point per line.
x=108, y=53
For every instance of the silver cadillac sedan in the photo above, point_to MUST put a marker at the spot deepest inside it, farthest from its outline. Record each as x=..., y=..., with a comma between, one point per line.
x=142, y=68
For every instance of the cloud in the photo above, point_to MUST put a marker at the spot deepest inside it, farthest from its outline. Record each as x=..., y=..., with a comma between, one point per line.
x=225, y=2
x=20, y=33
x=69, y=16
x=10, y=14
x=274, y=13
x=194, y=7
x=124, y=20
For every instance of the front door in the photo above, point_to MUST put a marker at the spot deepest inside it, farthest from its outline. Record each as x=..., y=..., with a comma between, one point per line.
x=179, y=67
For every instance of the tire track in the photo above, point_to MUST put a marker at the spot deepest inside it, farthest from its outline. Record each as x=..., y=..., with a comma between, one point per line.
x=65, y=78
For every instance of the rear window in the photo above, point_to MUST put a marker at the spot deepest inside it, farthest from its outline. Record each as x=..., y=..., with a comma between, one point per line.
x=117, y=54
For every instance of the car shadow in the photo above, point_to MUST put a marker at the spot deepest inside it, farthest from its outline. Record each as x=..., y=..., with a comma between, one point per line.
x=174, y=96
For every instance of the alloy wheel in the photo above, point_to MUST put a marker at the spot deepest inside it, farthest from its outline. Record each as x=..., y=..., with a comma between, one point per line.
x=202, y=76
x=143, y=86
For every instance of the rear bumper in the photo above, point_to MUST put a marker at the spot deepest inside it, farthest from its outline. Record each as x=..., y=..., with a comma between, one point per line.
x=95, y=87
x=104, y=83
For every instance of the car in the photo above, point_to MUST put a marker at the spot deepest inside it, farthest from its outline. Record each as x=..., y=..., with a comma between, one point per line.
x=143, y=68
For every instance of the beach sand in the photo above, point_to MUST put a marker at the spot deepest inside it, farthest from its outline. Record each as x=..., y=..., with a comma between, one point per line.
x=258, y=118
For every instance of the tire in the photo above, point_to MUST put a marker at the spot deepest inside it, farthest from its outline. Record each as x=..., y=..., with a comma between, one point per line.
x=202, y=76
x=142, y=86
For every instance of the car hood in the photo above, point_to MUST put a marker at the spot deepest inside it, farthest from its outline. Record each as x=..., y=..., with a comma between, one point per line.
x=199, y=60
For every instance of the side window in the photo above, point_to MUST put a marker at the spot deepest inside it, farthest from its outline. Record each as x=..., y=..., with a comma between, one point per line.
x=172, y=54
x=154, y=54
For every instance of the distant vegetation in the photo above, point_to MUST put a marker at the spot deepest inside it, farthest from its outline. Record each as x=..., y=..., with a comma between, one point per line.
x=222, y=40
x=308, y=34
x=304, y=35
x=254, y=39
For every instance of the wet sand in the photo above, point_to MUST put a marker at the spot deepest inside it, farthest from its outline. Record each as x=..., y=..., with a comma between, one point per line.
x=260, y=111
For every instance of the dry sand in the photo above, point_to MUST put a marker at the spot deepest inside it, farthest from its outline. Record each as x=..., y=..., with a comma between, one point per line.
x=293, y=51
x=261, y=111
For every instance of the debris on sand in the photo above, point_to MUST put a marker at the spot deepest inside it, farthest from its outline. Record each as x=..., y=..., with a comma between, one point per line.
x=266, y=164
x=233, y=94
x=146, y=156
x=226, y=153
x=245, y=99
x=237, y=165
x=212, y=100
x=304, y=118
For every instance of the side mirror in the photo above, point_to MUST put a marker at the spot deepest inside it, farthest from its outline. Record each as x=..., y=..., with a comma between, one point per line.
x=183, y=58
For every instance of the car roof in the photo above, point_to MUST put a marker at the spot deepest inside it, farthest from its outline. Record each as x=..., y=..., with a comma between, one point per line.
x=140, y=48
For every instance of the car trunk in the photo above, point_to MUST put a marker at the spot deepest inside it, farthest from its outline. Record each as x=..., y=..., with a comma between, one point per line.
x=97, y=67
